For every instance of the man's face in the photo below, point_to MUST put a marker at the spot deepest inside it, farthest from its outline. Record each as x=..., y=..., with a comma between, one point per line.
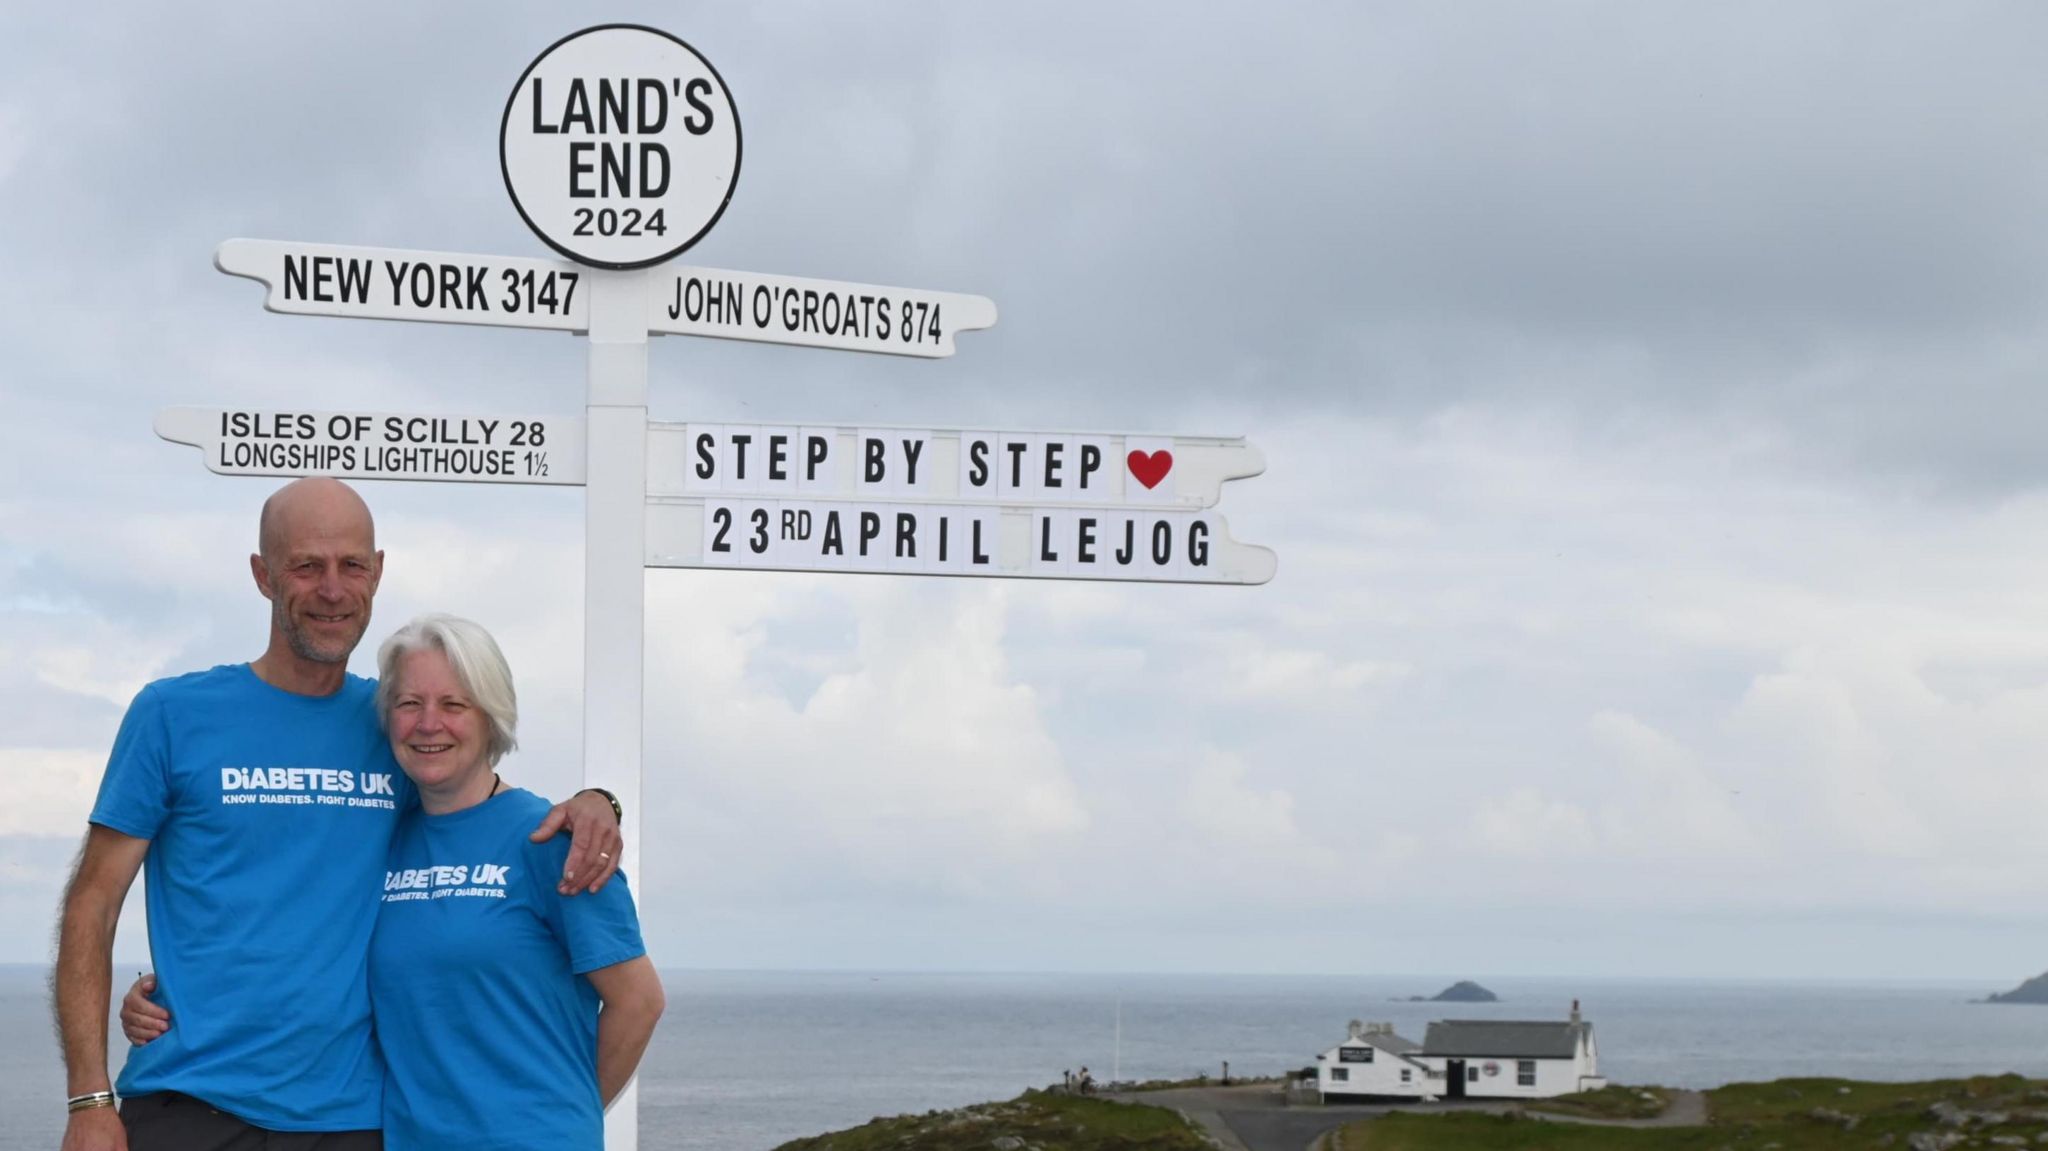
x=320, y=588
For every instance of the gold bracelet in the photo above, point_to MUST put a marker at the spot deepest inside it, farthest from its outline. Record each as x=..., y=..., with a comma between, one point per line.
x=88, y=1101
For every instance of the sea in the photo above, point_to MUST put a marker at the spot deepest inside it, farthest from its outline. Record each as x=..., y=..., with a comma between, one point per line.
x=747, y=1060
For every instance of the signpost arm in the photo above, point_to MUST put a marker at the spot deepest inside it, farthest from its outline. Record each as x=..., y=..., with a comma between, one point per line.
x=614, y=584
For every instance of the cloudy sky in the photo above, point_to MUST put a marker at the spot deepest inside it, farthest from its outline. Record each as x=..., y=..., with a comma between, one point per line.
x=1651, y=393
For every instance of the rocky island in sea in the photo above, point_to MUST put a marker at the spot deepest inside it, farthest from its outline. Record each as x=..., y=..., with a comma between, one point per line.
x=2034, y=990
x=1463, y=991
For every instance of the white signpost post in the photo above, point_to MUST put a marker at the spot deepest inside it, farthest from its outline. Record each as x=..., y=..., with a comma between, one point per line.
x=620, y=147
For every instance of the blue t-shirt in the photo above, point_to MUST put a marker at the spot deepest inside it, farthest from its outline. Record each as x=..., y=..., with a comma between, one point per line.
x=477, y=978
x=268, y=814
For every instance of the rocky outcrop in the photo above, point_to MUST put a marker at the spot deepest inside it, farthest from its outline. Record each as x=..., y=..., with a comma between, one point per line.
x=1464, y=991
x=2034, y=990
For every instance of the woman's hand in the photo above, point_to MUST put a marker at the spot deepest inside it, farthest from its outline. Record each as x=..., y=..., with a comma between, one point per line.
x=633, y=1001
x=141, y=1019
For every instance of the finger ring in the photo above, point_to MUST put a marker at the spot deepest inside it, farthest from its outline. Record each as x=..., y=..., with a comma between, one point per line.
x=604, y=855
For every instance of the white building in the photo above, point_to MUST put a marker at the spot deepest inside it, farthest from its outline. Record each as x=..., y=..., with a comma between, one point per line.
x=1374, y=1063
x=1464, y=1059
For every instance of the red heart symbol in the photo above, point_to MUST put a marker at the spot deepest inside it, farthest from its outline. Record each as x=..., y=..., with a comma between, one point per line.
x=1150, y=467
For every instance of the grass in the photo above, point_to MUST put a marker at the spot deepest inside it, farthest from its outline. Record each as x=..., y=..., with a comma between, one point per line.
x=1611, y=1102
x=1051, y=1122
x=1467, y=1132
x=1788, y=1114
x=1781, y=1098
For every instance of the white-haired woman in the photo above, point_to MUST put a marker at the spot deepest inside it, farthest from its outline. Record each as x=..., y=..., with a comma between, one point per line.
x=509, y=1015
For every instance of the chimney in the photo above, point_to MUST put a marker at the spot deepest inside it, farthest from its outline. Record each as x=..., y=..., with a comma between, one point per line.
x=1575, y=1011
x=1357, y=1029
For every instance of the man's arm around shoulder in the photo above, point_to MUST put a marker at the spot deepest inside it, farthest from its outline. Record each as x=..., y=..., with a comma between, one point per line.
x=84, y=978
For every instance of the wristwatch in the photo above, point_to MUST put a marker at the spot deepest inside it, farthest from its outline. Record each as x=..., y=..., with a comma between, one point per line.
x=618, y=813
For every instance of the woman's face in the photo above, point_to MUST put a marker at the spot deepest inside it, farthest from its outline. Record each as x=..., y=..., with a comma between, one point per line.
x=438, y=733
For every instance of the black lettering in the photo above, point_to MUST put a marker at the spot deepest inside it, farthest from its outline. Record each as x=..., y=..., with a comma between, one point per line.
x=577, y=109
x=323, y=275
x=421, y=285
x=870, y=529
x=1045, y=552
x=651, y=123
x=977, y=464
x=833, y=545
x=739, y=456
x=911, y=450
x=1162, y=543
x=906, y=536
x=814, y=454
x=611, y=107
x=776, y=455
x=1124, y=553
x=1084, y=544
x=1053, y=448
x=355, y=281
x=706, y=466
x=974, y=553
x=295, y=277
x=1198, y=544
x=693, y=94
x=649, y=186
x=579, y=167
x=1016, y=451
x=617, y=170
x=875, y=468
x=540, y=128
x=944, y=523
x=1091, y=462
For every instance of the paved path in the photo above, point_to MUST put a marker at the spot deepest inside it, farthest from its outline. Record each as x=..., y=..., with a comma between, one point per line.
x=1258, y=1119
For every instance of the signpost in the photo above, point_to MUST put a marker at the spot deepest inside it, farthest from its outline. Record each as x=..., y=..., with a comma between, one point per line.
x=620, y=147
x=382, y=445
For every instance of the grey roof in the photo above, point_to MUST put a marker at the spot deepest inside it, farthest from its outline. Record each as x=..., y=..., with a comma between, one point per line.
x=1388, y=1042
x=1504, y=1039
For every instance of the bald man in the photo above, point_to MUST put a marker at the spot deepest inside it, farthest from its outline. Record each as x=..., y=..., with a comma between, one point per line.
x=261, y=798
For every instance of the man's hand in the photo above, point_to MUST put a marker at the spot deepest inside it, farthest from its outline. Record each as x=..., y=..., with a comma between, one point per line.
x=142, y=1019
x=594, y=849
x=95, y=1129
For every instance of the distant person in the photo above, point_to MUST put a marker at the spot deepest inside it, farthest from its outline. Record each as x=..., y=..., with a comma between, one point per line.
x=261, y=798
x=1085, y=1082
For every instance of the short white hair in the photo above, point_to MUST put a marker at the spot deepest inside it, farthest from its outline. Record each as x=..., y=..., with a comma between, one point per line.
x=478, y=666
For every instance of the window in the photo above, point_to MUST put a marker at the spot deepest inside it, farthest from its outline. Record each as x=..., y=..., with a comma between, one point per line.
x=1406, y=1075
x=1471, y=1074
x=1340, y=1074
x=1525, y=1073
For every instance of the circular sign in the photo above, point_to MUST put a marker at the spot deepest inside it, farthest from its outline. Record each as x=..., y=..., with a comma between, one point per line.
x=620, y=146
x=1491, y=1068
